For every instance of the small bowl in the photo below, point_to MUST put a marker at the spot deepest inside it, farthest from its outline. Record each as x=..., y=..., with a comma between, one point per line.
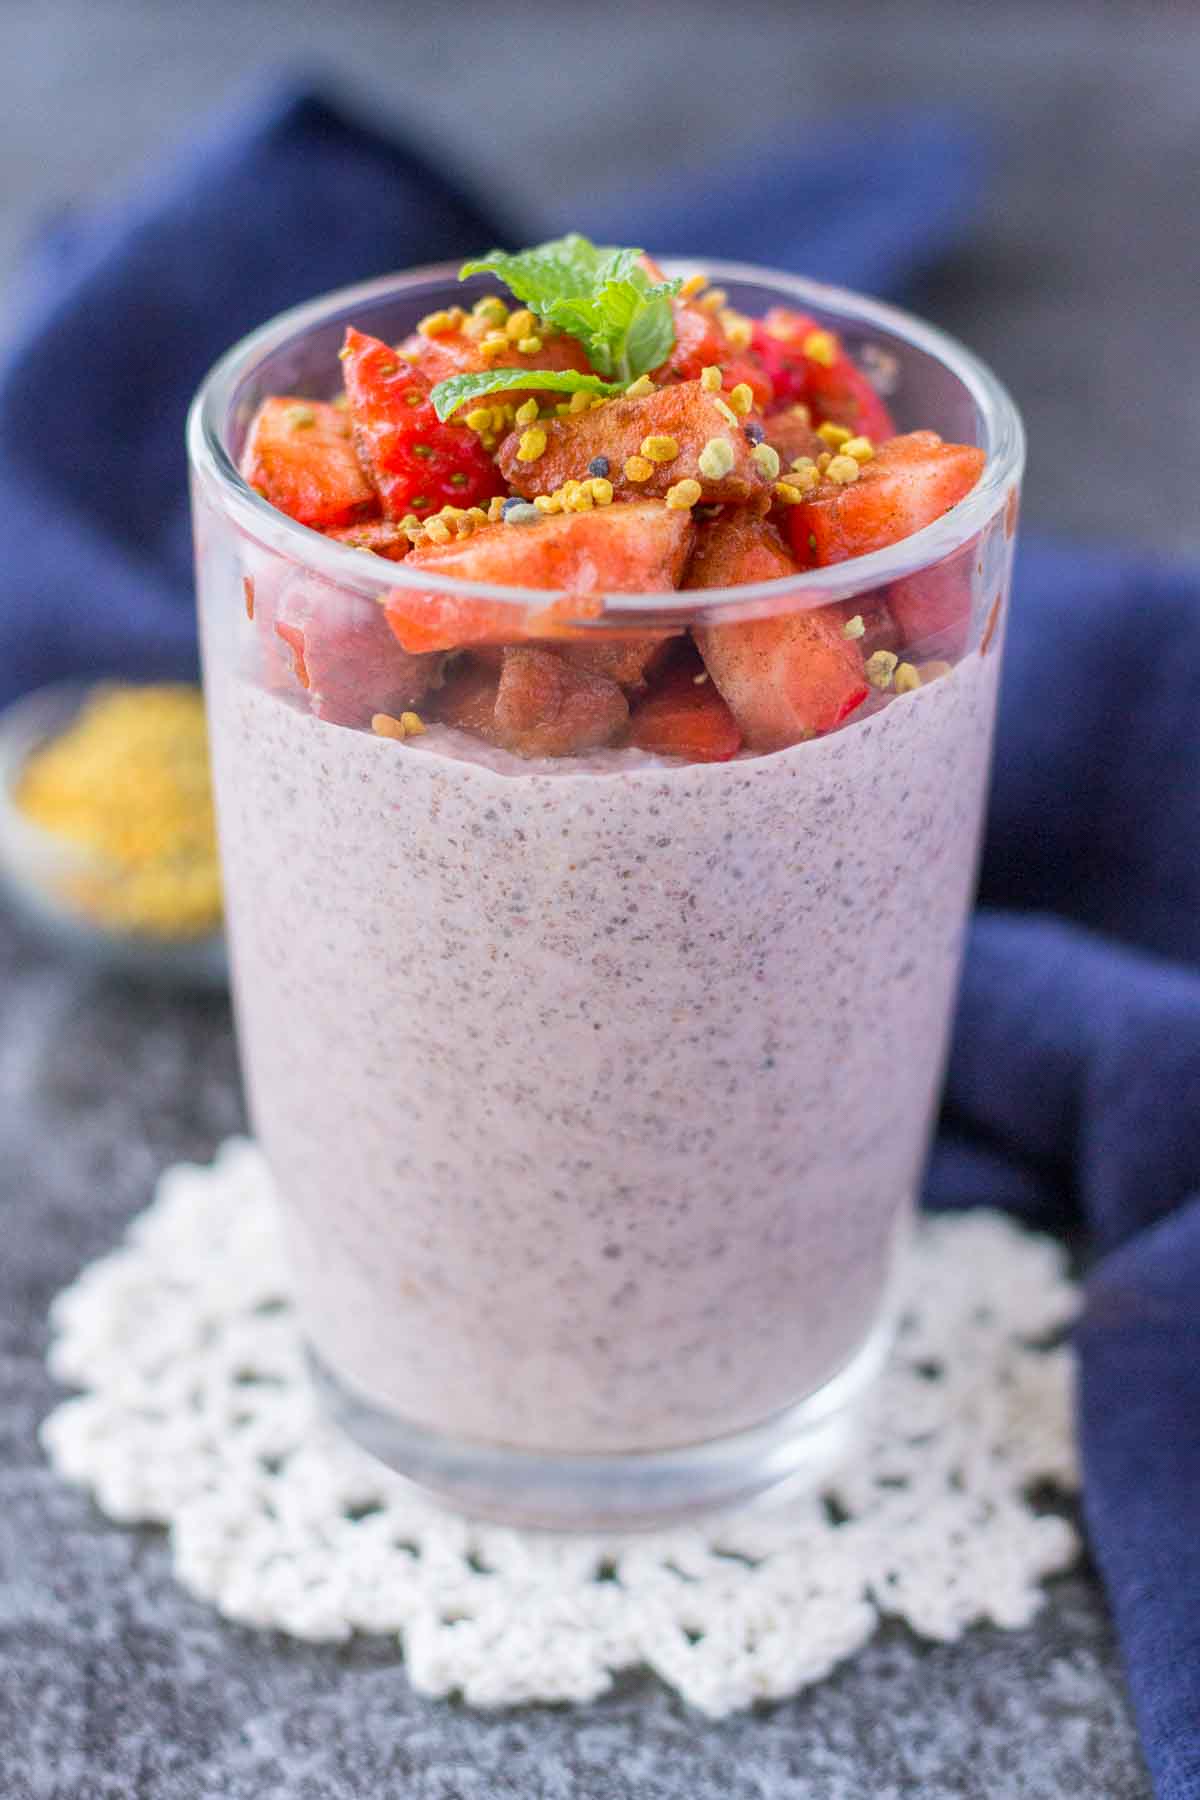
x=34, y=863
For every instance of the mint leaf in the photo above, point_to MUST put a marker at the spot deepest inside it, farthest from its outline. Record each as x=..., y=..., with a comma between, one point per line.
x=598, y=294
x=449, y=395
x=650, y=337
x=554, y=270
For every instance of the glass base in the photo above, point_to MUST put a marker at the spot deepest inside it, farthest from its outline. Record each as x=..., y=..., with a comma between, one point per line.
x=575, y=1492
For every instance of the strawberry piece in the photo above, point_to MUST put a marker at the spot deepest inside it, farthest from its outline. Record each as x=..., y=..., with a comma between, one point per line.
x=640, y=548
x=628, y=659
x=468, y=700
x=747, y=368
x=544, y=707
x=418, y=463
x=789, y=430
x=454, y=353
x=382, y=536
x=684, y=715
x=299, y=456
x=699, y=343
x=735, y=549
x=786, y=678
x=533, y=703
x=909, y=482
x=615, y=431
x=344, y=655
x=830, y=384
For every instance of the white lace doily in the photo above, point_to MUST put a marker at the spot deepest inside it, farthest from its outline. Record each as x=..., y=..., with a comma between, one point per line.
x=197, y=1414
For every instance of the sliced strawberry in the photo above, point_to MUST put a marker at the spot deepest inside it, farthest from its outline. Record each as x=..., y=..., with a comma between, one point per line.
x=381, y=536
x=343, y=654
x=299, y=456
x=418, y=463
x=784, y=679
x=684, y=715
x=819, y=373
x=640, y=548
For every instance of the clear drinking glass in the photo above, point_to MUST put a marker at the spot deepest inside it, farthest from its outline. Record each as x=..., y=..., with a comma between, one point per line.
x=596, y=1091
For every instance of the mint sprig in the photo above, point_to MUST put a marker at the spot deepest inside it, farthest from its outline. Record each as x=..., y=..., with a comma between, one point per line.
x=599, y=294
x=456, y=390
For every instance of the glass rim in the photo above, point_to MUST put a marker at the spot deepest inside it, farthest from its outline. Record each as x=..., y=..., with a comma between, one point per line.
x=343, y=564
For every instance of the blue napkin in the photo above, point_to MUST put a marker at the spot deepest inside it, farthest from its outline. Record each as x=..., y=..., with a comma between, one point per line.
x=1074, y=1087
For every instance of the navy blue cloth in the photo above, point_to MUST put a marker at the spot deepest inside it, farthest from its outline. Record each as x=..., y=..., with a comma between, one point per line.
x=1074, y=1087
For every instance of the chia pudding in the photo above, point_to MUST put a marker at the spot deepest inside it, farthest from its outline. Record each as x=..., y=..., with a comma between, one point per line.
x=597, y=1096
x=597, y=845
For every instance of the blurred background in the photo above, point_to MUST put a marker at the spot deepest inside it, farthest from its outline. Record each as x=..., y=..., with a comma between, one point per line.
x=1079, y=282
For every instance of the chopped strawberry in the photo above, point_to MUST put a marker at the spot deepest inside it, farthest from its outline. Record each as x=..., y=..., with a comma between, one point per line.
x=735, y=549
x=533, y=703
x=785, y=678
x=699, y=343
x=629, y=659
x=343, y=654
x=544, y=707
x=807, y=362
x=449, y=353
x=748, y=368
x=909, y=482
x=790, y=431
x=684, y=715
x=932, y=610
x=640, y=548
x=683, y=412
x=382, y=536
x=468, y=700
x=418, y=463
x=299, y=456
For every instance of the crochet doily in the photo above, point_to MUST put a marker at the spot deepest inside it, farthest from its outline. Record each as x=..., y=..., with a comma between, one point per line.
x=197, y=1414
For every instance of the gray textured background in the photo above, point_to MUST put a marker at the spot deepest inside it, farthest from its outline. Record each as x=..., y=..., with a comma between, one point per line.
x=1080, y=286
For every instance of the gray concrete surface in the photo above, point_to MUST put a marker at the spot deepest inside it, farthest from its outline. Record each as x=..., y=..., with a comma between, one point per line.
x=1080, y=287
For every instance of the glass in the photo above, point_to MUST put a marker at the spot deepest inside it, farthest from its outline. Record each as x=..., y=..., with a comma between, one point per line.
x=596, y=1091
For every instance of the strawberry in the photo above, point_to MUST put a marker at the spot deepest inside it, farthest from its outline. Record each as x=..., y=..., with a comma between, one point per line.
x=382, y=536
x=684, y=715
x=699, y=344
x=299, y=456
x=640, y=548
x=909, y=482
x=785, y=678
x=746, y=367
x=615, y=432
x=343, y=654
x=533, y=703
x=449, y=353
x=819, y=373
x=418, y=463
